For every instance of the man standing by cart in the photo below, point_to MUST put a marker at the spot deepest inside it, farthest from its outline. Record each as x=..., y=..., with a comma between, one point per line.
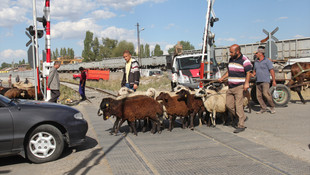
x=263, y=68
x=238, y=74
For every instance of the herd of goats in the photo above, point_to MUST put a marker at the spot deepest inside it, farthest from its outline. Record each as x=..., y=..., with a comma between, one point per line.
x=154, y=107
x=20, y=90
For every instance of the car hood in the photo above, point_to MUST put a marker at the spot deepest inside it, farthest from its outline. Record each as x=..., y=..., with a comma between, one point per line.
x=43, y=104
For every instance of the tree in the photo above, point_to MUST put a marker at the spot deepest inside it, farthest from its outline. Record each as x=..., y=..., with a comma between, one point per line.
x=56, y=53
x=107, y=46
x=142, y=54
x=121, y=47
x=147, y=50
x=87, y=53
x=157, y=50
x=96, y=49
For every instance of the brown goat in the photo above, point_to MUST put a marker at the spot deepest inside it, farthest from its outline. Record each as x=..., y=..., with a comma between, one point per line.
x=300, y=72
x=174, y=108
x=31, y=94
x=3, y=90
x=131, y=109
x=15, y=93
x=194, y=104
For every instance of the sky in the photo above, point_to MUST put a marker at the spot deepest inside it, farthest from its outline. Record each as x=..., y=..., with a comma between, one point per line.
x=165, y=22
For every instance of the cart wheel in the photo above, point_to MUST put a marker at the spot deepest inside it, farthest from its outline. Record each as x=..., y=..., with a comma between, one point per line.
x=253, y=94
x=283, y=96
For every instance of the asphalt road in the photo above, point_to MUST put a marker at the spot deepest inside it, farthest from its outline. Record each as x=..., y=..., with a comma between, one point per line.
x=272, y=144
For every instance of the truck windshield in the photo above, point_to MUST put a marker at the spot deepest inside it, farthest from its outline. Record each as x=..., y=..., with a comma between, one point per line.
x=189, y=63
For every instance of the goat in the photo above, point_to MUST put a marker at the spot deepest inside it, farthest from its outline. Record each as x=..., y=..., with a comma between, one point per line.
x=131, y=109
x=194, y=104
x=174, y=108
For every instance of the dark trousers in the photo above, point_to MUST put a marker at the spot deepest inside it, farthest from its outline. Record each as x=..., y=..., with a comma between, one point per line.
x=82, y=91
x=129, y=86
x=262, y=89
x=54, y=95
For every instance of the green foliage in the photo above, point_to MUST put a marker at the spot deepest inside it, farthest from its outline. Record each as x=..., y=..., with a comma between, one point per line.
x=105, y=50
x=147, y=50
x=121, y=47
x=87, y=53
x=157, y=51
x=96, y=50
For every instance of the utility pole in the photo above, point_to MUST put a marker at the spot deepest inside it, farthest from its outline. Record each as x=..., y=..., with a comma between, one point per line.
x=138, y=34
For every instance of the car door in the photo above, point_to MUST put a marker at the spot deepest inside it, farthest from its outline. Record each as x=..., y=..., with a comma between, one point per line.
x=6, y=130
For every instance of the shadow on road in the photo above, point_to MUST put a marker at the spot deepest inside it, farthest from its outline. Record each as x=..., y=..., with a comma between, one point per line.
x=91, y=156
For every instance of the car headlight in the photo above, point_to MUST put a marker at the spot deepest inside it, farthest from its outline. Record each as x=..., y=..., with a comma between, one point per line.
x=78, y=116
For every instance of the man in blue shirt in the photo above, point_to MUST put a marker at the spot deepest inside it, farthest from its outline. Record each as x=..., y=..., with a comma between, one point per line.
x=263, y=68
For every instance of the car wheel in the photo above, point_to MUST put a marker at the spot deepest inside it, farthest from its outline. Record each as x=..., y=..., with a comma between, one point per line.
x=45, y=144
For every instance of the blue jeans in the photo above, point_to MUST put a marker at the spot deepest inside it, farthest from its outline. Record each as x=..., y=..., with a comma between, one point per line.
x=128, y=86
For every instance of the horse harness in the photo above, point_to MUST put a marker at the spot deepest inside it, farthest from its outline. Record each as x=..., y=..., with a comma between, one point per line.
x=302, y=70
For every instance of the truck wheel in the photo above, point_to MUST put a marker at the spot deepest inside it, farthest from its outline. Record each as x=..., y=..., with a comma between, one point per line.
x=283, y=95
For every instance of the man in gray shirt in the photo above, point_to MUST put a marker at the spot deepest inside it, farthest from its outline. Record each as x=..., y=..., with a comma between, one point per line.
x=263, y=68
x=54, y=83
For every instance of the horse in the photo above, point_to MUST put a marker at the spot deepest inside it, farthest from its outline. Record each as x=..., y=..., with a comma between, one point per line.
x=300, y=74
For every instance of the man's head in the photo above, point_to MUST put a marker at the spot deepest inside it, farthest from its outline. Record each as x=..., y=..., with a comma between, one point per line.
x=56, y=64
x=261, y=49
x=126, y=55
x=81, y=69
x=259, y=55
x=234, y=51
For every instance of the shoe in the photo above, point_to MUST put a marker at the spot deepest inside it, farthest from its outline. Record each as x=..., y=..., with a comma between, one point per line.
x=237, y=130
x=272, y=110
x=261, y=111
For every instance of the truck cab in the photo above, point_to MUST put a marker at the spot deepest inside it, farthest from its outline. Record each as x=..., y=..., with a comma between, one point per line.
x=185, y=69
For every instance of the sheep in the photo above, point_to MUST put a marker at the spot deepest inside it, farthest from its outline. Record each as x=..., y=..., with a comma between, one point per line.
x=173, y=107
x=3, y=90
x=216, y=101
x=213, y=101
x=131, y=109
x=126, y=92
x=194, y=104
x=15, y=93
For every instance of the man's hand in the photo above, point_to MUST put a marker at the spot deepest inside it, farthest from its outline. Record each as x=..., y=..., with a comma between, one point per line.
x=274, y=83
x=135, y=86
x=220, y=79
x=246, y=86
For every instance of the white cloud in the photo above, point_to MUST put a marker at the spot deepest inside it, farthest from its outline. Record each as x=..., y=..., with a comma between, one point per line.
x=9, y=55
x=283, y=18
x=227, y=39
x=12, y=16
x=258, y=21
x=68, y=30
x=102, y=14
x=68, y=9
x=125, y=4
x=118, y=34
x=299, y=36
x=169, y=26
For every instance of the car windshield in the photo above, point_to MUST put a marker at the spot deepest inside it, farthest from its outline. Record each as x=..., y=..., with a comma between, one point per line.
x=5, y=99
x=189, y=63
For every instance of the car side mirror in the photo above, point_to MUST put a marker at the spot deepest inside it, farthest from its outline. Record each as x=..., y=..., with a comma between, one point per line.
x=173, y=70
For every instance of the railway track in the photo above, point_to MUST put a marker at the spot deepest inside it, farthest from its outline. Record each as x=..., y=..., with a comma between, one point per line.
x=182, y=151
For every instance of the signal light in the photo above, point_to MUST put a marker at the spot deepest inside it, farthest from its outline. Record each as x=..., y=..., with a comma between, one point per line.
x=32, y=31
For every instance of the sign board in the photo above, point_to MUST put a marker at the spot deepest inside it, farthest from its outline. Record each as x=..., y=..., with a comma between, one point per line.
x=30, y=55
x=274, y=50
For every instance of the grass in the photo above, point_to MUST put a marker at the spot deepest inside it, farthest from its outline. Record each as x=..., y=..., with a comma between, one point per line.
x=68, y=95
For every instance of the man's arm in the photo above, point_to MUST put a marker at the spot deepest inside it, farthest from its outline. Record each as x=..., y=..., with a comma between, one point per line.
x=223, y=77
x=247, y=81
x=273, y=77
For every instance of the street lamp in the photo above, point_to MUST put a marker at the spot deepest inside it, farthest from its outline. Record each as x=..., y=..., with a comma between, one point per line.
x=139, y=52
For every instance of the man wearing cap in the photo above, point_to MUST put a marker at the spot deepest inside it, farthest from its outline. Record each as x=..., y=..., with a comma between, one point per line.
x=263, y=68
